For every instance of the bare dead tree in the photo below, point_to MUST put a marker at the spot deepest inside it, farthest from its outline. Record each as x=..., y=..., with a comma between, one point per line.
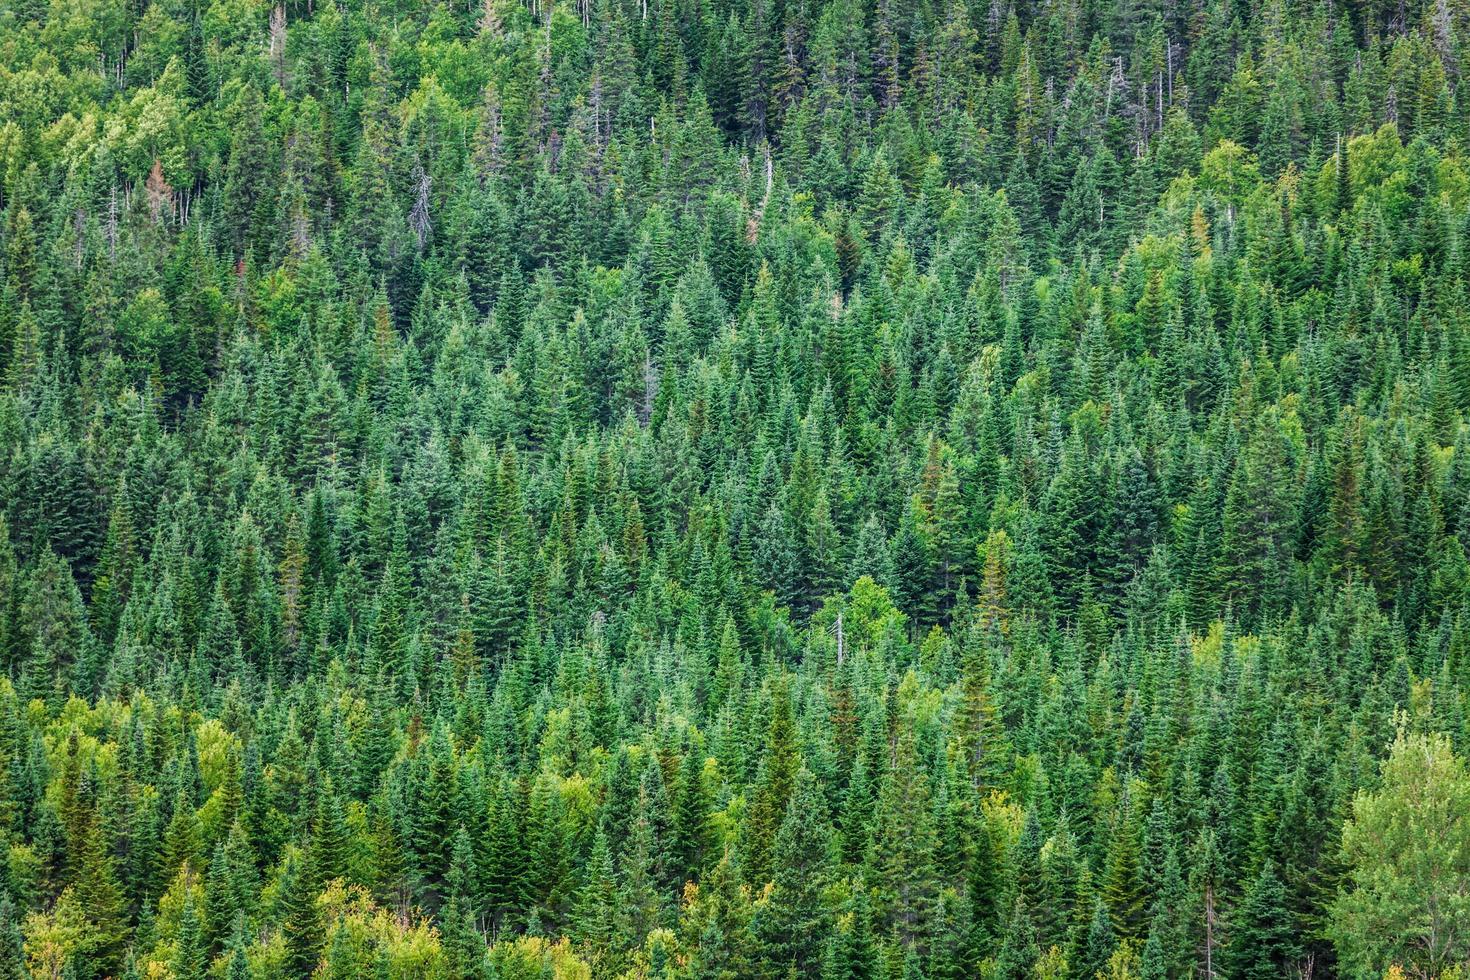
x=160, y=194
x=111, y=229
x=650, y=391
x=418, y=216
x=490, y=19
x=278, y=43
x=1442, y=37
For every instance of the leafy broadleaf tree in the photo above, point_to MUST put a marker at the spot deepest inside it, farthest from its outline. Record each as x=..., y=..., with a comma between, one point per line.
x=1407, y=847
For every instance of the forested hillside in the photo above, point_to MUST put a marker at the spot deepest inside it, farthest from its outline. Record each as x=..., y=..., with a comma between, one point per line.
x=895, y=490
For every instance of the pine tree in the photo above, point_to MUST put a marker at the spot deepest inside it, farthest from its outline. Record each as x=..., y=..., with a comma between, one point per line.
x=691, y=817
x=190, y=960
x=772, y=795
x=54, y=627
x=852, y=952
x=462, y=939
x=1263, y=940
x=1097, y=946
x=1122, y=889
x=300, y=923
x=789, y=926
x=642, y=906
x=12, y=953
x=718, y=926
x=247, y=190
x=596, y=902
x=904, y=845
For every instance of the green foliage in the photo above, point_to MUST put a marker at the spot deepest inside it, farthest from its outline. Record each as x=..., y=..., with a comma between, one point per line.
x=733, y=490
x=1407, y=850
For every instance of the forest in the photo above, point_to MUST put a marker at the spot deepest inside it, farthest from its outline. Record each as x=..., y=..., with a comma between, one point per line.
x=723, y=489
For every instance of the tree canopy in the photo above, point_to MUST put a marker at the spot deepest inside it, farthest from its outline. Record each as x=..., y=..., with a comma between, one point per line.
x=903, y=490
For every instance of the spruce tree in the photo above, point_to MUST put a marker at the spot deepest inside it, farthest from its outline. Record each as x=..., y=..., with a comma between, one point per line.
x=1263, y=939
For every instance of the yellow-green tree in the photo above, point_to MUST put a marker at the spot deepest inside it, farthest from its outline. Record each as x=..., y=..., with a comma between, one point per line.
x=1406, y=901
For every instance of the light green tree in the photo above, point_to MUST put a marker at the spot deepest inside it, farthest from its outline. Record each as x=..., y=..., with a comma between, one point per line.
x=1406, y=901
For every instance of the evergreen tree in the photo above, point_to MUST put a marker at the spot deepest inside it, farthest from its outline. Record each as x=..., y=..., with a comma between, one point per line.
x=1263, y=939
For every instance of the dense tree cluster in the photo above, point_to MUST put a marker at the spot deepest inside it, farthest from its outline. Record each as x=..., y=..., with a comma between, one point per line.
x=734, y=489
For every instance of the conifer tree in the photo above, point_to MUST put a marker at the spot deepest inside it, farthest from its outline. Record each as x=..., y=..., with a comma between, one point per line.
x=1263, y=941
x=300, y=923
x=789, y=927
